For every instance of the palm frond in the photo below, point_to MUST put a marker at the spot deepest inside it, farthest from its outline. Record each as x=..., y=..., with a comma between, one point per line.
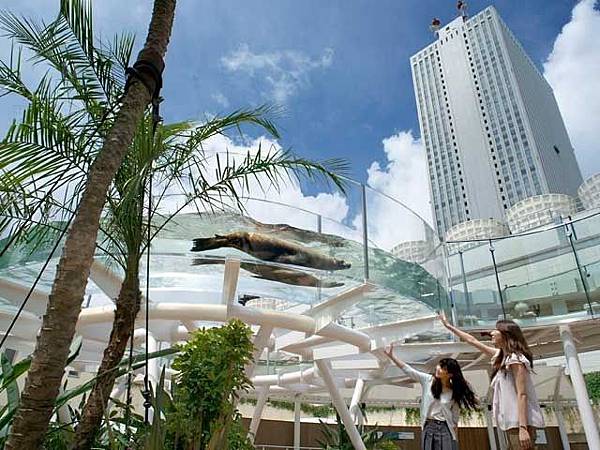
x=120, y=49
x=233, y=179
x=67, y=45
x=11, y=81
x=78, y=14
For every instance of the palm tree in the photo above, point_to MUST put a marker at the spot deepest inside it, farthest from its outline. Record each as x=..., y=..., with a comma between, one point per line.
x=173, y=156
x=58, y=326
x=49, y=147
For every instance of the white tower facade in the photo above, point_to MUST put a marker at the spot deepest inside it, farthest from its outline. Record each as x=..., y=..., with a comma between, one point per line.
x=489, y=121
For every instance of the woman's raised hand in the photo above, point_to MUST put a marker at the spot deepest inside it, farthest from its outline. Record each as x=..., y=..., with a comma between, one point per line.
x=442, y=318
x=389, y=350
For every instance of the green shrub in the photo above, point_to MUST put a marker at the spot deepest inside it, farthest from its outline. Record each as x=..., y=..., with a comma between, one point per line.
x=592, y=381
x=211, y=376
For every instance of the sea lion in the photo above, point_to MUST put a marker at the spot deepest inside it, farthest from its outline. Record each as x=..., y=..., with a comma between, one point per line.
x=272, y=249
x=305, y=235
x=273, y=273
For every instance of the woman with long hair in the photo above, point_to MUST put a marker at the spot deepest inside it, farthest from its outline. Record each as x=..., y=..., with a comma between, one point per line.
x=444, y=393
x=515, y=406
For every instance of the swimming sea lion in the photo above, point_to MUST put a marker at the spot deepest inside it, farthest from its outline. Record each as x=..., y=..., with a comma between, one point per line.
x=305, y=235
x=273, y=273
x=272, y=249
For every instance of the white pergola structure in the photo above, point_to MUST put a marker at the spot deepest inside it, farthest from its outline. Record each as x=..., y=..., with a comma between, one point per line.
x=346, y=362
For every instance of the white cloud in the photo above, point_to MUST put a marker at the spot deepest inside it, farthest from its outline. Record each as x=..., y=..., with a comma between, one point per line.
x=221, y=99
x=294, y=203
x=404, y=179
x=285, y=72
x=572, y=70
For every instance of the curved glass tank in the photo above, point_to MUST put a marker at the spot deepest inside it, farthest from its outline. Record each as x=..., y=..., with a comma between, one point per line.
x=543, y=276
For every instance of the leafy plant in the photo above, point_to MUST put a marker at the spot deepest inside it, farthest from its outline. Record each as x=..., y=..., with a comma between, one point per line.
x=211, y=375
x=413, y=416
x=336, y=437
x=592, y=382
x=61, y=434
x=47, y=156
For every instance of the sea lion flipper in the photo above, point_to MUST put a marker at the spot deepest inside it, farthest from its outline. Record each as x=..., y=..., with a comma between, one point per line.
x=210, y=243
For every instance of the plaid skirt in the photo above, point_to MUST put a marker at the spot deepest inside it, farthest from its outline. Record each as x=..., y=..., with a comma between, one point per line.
x=436, y=436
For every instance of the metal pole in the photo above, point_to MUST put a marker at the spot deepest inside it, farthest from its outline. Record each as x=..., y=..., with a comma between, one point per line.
x=356, y=398
x=450, y=290
x=268, y=362
x=146, y=394
x=490, y=427
x=569, y=231
x=502, y=439
x=562, y=428
x=152, y=346
x=340, y=405
x=497, y=279
x=560, y=419
x=129, y=381
x=464, y=280
x=261, y=400
x=319, y=230
x=297, y=422
x=365, y=232
x=583, y=400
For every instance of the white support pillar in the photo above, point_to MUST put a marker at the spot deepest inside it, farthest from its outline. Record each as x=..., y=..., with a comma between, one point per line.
x=562, y=428
x=355, y=402
x=502, y=439
x=260, y=342
x=365, y=395
x=261, y=399
x=583, y=401
x=340, y=405
x=560, y=419
x=490, y=427
x=118, y=391
x=62, y=413
x=297, y=422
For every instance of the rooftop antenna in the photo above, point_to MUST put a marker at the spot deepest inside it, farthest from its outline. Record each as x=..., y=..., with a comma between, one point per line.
x=435, y=25
x=462, y=9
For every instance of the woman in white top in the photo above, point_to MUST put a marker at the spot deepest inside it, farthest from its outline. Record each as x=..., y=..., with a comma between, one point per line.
x=515, y=407
x=444, y=392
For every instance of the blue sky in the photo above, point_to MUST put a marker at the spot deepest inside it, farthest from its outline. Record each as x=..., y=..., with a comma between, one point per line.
x=339, y=68
x=344, y=108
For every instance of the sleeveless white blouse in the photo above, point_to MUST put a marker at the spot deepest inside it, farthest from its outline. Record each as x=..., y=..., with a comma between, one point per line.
x=505, y=409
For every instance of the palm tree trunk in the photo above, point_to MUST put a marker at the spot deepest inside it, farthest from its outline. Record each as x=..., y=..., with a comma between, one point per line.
x=128, y=305
x=64, y=303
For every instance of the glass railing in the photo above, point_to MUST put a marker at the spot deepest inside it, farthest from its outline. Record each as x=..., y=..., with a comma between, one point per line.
x=550, y=274
x=541, y=276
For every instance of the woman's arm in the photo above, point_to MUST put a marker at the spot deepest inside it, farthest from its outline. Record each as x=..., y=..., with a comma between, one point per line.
x=519, y=372
x=407, y=368
x=472, y=340
x=456, y=418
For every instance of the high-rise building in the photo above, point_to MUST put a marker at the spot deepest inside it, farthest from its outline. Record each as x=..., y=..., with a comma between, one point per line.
x=489, y=121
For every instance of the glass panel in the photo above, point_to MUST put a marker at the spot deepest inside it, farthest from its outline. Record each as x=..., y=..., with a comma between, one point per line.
x=406, y=262
x=475, y=293
x=345, y=244
x=586, y=239
x=539, y=277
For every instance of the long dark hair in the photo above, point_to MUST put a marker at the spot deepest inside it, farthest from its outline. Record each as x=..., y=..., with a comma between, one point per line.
x=514, y=342
x=462, y=393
